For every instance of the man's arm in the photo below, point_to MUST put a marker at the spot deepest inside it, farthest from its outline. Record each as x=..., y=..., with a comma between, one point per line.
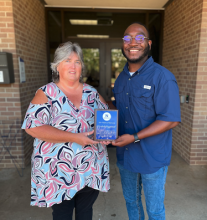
x=110, y=104
x=155, y=128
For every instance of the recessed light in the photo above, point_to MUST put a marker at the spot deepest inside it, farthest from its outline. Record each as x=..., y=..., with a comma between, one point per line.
x=83, y=22
x=92, y=36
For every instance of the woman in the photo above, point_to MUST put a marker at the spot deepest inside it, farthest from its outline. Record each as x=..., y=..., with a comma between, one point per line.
x=68, y=167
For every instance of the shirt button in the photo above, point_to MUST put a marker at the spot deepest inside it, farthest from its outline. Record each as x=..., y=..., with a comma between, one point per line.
x=129, y=79
x=126, y=121
x=127, y=93
x=126, y=107
x=126, y=148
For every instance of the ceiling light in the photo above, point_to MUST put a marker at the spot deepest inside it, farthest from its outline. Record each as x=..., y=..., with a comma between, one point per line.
x=83, y=22
x=92, y=36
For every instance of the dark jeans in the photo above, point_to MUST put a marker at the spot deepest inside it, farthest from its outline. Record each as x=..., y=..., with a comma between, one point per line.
x=82, y=202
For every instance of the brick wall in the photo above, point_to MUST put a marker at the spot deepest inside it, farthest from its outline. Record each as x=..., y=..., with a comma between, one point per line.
x=185, y=55
x=22, y=33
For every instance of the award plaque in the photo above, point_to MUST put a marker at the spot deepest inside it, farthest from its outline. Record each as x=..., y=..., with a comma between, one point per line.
x=105, y=125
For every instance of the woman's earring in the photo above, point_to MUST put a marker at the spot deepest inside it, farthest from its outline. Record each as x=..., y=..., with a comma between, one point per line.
x=57, y=73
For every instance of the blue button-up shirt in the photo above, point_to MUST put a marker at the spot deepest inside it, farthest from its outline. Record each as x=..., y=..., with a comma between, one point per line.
x=150, y=94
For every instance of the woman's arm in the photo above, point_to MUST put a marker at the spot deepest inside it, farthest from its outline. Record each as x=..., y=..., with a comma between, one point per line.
x=54, y=135
x=102, y=99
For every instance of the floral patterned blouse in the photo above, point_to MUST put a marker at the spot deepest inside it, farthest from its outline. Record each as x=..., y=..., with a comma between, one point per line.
x=60, y=170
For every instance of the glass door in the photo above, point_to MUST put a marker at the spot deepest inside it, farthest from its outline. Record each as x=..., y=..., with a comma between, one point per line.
x=115, y=63
x=104, y=62
x=92, y=68
x=118, y=62
x=94, y=60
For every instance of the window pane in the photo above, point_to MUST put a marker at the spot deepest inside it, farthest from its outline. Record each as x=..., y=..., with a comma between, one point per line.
x=118, y=62
x=91, y=61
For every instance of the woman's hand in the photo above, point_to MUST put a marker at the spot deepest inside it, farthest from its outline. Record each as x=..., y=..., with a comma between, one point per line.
x=83, y=139
x=105, y=142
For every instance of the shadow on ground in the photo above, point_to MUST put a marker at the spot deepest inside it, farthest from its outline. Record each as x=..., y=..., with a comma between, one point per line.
x=186, y=194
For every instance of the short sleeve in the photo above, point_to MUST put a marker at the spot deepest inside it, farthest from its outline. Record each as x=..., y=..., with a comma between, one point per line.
x=167, y=102
x=37, y=115
x=100, y=104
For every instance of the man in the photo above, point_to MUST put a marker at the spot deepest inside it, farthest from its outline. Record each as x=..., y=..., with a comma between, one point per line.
x=147, y=97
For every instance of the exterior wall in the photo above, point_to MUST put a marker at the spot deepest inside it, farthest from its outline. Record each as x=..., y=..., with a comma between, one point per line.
x=22, y=33
x=9, y=93
x=185, y=55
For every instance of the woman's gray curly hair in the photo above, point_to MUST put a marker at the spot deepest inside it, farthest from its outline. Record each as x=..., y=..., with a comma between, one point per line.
x=62, y=53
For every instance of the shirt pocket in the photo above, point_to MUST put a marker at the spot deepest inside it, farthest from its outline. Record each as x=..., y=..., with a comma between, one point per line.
x=118, y=93
x=142, y=98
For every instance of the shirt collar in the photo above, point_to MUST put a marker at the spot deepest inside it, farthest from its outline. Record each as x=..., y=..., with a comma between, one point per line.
x=142, y=69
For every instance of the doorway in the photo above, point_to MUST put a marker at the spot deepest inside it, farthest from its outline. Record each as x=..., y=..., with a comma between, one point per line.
x=99, y=33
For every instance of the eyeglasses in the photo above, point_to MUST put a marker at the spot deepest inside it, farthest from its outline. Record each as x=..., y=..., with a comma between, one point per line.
x=139, y=39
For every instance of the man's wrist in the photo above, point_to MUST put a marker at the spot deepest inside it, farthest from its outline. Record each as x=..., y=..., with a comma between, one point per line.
x=136, y=138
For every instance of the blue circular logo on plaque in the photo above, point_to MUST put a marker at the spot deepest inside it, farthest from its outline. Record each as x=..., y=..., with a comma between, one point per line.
x=106, y=116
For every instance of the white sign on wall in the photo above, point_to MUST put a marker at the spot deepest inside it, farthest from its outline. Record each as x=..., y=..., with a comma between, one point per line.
x=22, y=70
x=1, y=76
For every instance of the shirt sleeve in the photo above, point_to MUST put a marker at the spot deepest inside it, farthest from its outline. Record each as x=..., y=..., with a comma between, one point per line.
x=114, y=101
x=167, y=102
x=100, y=104
x=37, y=115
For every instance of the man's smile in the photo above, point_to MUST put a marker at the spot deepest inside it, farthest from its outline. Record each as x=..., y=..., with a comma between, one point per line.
x=134, y=50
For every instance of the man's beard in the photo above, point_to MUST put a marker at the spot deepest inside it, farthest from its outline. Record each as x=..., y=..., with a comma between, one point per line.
x=146, y=52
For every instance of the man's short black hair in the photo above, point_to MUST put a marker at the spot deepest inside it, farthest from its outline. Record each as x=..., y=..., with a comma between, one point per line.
x=140, y=23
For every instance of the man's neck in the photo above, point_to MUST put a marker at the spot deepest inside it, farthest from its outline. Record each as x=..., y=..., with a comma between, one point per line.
x=133, y=67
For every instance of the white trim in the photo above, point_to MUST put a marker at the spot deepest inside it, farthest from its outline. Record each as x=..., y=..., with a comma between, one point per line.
x=90, y=7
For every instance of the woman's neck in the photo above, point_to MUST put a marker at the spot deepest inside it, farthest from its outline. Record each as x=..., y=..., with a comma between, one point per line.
x=69, y=85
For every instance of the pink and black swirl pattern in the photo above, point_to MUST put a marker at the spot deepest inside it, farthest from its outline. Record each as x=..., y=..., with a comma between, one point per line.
x=59, y=170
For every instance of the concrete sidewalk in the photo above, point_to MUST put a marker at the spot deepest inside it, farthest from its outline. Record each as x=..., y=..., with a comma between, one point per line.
x=186, y=194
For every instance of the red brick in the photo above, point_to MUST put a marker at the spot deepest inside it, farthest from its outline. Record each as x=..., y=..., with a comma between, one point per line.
x=7, y=113
x=6, y=19
x=23, y=44
x=8, y=3
x=13, y=100
x=8, y=41
x=4, y=45
x=7, y=30
x=6, y=9
x=9, y=14
x=201, y=162
x=186, y=59
x=202, y=154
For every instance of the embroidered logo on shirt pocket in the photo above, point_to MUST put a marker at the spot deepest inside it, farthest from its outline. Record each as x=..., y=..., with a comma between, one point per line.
x=147, y=87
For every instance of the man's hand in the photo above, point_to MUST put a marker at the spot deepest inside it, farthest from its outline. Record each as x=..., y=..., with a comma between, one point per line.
x=123, y=140
x=157, y=127
x=110, y=104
